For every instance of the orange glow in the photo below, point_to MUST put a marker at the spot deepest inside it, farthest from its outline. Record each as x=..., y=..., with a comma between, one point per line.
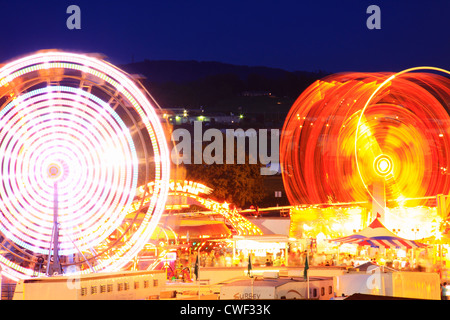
x=413, y=223
x=176, y=185
x=369, y=128
x=309, y=222
x=198, y=192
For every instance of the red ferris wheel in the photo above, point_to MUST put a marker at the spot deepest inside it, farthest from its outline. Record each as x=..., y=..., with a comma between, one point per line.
x=349, y=132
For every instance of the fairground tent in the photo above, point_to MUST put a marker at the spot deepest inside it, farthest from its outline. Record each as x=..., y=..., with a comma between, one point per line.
x=377, y=235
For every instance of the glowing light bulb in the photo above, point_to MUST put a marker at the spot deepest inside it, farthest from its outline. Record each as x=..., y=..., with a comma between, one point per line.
x=383, y=165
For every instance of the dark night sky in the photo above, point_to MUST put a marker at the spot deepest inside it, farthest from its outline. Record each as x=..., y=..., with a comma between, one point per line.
x=293, y=35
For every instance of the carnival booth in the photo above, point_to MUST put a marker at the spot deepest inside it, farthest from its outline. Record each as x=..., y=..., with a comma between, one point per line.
x=382, y=280
x=376, y=235
x=266, y=250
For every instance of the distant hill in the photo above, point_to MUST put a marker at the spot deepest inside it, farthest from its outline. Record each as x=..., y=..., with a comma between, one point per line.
x=161, y=71
x=217, y=86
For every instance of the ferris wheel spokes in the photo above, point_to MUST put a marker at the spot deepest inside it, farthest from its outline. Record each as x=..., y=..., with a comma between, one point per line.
x=76, y=134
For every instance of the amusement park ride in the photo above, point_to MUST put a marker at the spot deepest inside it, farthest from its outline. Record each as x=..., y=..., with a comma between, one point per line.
x=372, y=141
x=78, y=136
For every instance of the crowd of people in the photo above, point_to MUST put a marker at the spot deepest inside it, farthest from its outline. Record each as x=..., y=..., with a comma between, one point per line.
x=297, y=258
x=224, y=257
x=349, y=260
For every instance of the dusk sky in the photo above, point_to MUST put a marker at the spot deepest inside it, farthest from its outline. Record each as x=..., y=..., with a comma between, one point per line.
x=292, y=35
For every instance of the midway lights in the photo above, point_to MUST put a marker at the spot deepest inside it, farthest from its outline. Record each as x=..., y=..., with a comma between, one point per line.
x=197, y=192
x=311, y=221
x=73, y=119
x=349, y=132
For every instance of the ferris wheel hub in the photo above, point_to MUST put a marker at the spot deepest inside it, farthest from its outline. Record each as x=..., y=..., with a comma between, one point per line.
x=383, y=165
x=54, y=171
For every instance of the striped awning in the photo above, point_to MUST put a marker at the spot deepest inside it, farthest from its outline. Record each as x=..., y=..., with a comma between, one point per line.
x=377, y=235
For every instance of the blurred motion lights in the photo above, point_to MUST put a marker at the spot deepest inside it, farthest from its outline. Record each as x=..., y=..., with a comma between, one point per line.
x=77, y=121
x=369, y=128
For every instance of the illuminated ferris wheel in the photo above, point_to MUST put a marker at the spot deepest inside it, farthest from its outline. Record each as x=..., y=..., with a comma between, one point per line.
x=369, y=137
x=77, y=136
